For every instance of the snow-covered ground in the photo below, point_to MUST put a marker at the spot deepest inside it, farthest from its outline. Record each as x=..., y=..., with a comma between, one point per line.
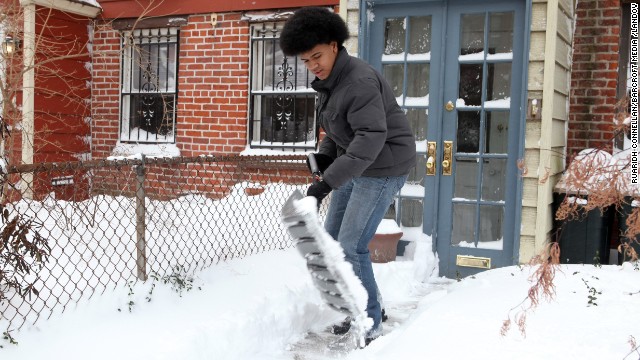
x=264, y=307
x=261, y=306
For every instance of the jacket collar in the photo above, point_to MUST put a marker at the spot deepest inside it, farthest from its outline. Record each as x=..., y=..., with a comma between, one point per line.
x=330, y=83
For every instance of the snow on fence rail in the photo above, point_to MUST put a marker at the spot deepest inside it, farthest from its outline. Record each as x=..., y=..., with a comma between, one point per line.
x=112, y=222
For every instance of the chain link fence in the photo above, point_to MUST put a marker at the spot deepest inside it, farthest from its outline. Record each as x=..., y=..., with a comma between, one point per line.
x=112, y=222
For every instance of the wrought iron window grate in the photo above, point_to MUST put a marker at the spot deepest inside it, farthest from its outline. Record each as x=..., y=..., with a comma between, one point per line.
x=282, y=114
x=148, y=91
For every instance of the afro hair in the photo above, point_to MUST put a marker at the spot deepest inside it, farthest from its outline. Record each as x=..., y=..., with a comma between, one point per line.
x=309, y=27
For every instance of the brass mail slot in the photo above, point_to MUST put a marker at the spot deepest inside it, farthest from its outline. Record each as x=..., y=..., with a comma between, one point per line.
x=473, y=261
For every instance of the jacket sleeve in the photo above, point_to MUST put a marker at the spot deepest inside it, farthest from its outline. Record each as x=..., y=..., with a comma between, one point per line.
x=328, y=147
x=367, y=119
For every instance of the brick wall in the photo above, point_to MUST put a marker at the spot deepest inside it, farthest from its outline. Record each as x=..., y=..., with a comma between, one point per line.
x=212, y=110
x=594, y=75
x=213, y=78
x=213, y=85
x=105, y=91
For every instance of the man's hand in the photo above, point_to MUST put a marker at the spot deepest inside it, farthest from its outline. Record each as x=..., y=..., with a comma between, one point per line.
x=319, y=190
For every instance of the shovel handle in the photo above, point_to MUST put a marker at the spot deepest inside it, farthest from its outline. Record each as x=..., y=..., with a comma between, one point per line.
x=313, y=165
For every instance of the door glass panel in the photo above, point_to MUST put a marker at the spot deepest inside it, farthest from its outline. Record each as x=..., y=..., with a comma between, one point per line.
x=418, y=84
x=419, y=35
x=501, y=33
x=468, y=133
x=416, y=177
x=499, y=84
x=394, y=35
x=406, y=67
x=472, y=34
x=491, y=219
x=464, y=225
x=466, y=179
x=497, y=132
x=411, y=212
x=470, y=92
x=394, y=74
x=493, y=179
x=418, y=121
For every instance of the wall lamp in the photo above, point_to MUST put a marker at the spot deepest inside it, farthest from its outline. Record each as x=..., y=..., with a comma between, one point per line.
x=10, y=45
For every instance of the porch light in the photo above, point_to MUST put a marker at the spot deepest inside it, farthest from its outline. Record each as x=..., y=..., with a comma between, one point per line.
x=9, y=45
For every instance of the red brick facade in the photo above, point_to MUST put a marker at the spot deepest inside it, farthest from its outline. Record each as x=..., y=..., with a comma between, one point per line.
x=594, y=75
x=213, y=86
x=212, y=104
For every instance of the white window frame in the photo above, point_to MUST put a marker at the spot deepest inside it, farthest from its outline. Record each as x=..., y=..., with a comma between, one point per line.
x=155, y=80
x=282, y=86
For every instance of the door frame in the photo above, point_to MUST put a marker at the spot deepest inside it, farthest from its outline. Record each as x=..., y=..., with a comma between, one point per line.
x=430, y=219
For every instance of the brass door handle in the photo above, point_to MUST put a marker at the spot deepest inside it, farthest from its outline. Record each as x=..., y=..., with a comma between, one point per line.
x=431, y=158
x=447, y=158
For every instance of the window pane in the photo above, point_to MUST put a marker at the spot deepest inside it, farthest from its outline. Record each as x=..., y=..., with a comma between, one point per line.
x=491, y=220
x=394, y=36
x=471, y=84
x=269, y=64
x=464, y=225
x=501, y=33
x=418, y=83
x=420, y=34
x=466, y=180
x=416, y=175
x=493, y=179
x=150, y=117
x=499, y=82
x=497, y=132
x=286, y=118
x=418, y=121
x=468, y=133
x=394, y=74
x=279, y=72
x=411, y=212
x=472, y=34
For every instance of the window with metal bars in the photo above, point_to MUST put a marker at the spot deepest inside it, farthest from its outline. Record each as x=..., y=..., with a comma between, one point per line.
x=282, y=102
x=148, y=91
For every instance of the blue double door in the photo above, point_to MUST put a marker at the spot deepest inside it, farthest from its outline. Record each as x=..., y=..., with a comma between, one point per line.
x=456, y=68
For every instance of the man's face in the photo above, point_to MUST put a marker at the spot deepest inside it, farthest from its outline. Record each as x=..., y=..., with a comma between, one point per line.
x=320, y=59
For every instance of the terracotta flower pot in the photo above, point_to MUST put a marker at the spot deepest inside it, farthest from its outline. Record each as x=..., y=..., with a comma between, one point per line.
x=383, y=247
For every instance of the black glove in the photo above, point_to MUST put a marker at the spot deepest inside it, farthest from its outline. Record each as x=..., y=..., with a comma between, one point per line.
x=319, y=190
x=322, y=160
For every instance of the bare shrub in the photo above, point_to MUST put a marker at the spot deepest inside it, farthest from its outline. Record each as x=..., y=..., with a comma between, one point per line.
x=542, y=287
x=593, y=180
x=22, y=250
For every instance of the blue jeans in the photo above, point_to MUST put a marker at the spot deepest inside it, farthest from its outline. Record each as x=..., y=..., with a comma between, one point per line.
x=355, y=211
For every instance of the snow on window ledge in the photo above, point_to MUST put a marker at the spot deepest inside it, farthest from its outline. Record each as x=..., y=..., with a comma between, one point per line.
x=279, y=152
x=122, y=151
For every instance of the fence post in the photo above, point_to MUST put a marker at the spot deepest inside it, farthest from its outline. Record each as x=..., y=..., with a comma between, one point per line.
x=141, y=244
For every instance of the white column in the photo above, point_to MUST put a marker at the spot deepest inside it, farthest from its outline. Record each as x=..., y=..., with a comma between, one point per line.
x=28, y=94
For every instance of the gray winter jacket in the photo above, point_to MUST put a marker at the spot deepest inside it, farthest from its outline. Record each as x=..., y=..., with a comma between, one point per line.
x=367, y=133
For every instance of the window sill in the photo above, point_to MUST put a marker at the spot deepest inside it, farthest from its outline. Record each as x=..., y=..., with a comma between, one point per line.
x=150, y=150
